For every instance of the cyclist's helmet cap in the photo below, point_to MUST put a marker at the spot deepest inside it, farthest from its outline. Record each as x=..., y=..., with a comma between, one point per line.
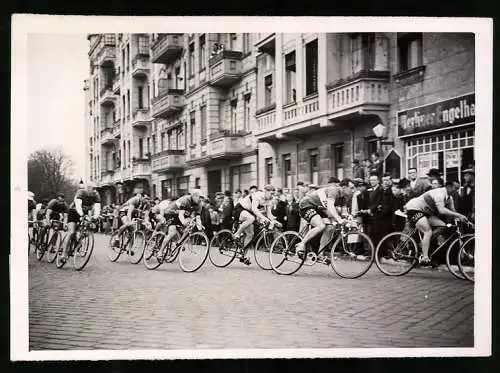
x=313, y=186
x=60, y=195
x=269, y=188
x=31, y=195
x=468, y=171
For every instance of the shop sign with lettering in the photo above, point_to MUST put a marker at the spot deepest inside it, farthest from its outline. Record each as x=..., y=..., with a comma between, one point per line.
x=449, y=113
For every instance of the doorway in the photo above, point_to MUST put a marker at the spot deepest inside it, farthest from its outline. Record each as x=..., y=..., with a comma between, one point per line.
x=214, y=179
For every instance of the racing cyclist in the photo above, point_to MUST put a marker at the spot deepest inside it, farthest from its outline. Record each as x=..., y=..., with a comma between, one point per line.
x=248, y=209
x=319, y=205
x=177, y=210
x=86, y=199
x=131, y=210
x=423, y=213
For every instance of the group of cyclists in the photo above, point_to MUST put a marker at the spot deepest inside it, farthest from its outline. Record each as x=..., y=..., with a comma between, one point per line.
x=317, y=207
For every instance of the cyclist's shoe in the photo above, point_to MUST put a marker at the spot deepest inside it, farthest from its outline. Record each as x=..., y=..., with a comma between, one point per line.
x=323, y=259
x=361, y=257
x=300, y=250
x=245, y=261
x=424, y=261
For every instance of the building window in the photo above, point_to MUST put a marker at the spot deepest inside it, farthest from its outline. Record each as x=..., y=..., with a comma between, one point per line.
x=246, y=114
x=192, y=123
x=129, y=152
x=179, y=140
x=287, y=171
x=410, y=50
x=371, y=146
x=290, y=77
x=203, y=51
x=234, y=123
x=362, y=46
x=169, y=140
x=128, y=103
x=178, y=78
x=197, y=183
x=241, y=177
x=154, y=191
x=191, y=59
x=169, y=81
x=128, y=57
x=338, y=161
x=268, y=90
x=148, y=149
x=222, y=114
x=123, y=61
x=141, y=148
x=314, y=166
x=153, y=140
x=123, y=107
x=269, y=170
x=143, y=45
x=203, y=122
x=162, y=141
x=246, y=43
x=140, y=91
x=312, y=67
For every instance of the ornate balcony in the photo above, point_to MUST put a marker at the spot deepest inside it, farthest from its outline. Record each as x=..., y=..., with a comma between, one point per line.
x=169, y=102
x=116, y=82
x=266, y=119
x=106, y=51
x=108, y=98
x=365, y=93
x=117, y=130
x=141, y=118
x=107, y=138
x=226, y=146
x=167, y=48
x=225, y=68
x=141, y=168
x=168, y=160
x=140, y=67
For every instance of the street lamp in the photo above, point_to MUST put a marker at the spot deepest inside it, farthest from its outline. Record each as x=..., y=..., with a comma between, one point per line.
x=379, y=131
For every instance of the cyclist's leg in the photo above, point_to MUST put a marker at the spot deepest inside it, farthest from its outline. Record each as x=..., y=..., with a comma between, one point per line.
x=249, y=231
x=317, y=226
x=439, y=228
x=171, y=233
x=327, y=234
x=423, y=226
x=246, y=219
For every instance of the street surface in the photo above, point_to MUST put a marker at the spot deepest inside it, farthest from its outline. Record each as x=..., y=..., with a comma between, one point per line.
x=124, y=306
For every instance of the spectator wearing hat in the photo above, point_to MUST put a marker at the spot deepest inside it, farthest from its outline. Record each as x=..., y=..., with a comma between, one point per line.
x=401, y=192
x=292, y=213
x=385, y=210
x=374, y=201
x=433, y=174
x=360, y=199
x=358, y=172
x=279, y=207
x=226, y=211
x=467, y=193
x=418, y=185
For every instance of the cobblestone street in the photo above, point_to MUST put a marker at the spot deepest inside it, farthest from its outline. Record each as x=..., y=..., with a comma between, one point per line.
x=124, y=306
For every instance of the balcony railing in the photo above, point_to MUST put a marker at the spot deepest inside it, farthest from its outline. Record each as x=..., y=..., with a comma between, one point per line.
x=107, y=96
x=168, y=160
x=369, y=92
x=225, y=68
x=300, y=112
x=106, y=55
x=266, y=119
x=169, y=102
x=141, y=168
x=117, y=175
x=107, y=177
x=226, y=147
x=140, y=67
x=116, y=130
x=167, y=48
x=141, y=118
x=107, y=136
x=116, y=81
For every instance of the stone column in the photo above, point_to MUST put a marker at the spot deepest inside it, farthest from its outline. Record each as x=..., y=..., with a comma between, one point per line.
x=381, y=52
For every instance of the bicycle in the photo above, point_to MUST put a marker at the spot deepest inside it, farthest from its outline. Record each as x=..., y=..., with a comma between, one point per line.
x=42, y=240
x=80, y=246
x=56, y=239
x=224, y=247
x=33, y=237
x=191, y=241
x=132, y=241
x=400, y=249
x=466, y=261
x=348, y=246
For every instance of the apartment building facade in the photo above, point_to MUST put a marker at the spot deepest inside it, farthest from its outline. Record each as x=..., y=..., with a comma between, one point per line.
x=170, y=112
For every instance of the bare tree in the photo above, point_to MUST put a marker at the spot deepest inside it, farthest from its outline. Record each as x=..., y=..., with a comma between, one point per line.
x=49, y=172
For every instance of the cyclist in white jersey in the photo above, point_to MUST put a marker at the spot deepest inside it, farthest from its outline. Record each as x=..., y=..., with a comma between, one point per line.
x=423, y=212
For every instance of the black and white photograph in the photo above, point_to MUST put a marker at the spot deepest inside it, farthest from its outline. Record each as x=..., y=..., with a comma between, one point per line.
x=200, y=193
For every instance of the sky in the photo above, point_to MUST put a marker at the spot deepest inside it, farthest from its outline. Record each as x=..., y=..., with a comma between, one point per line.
x=57, y=67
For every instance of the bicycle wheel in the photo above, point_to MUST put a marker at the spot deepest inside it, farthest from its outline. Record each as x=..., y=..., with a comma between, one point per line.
x=33, y=240
x=261, y=250
x=466, y=261
x=41, y=245
x=59, y=262
x=283, y=257
x=452, y=256
x=152, y=251
x=137, y=247
x=352, y=255
x=222, y=249
x=114, y=251
x=194, y=252
x=396, y=254
x=83, y=251
x=53, y=246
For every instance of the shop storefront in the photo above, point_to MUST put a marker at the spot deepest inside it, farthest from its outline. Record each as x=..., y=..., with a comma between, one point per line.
x=440, y=135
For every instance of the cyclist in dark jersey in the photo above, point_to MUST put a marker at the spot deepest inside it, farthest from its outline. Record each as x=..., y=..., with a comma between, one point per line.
x=131, y=210
x=319, y=205
x=85, y=200
x=55, y=209
x=176, y=211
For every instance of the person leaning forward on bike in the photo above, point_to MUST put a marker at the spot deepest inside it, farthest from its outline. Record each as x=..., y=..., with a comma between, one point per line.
x=55, y=209
x=423, y=212
x=86, y=199
x=319, y=205
x=248, y=209
x=131, y=209
x=176, y=212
